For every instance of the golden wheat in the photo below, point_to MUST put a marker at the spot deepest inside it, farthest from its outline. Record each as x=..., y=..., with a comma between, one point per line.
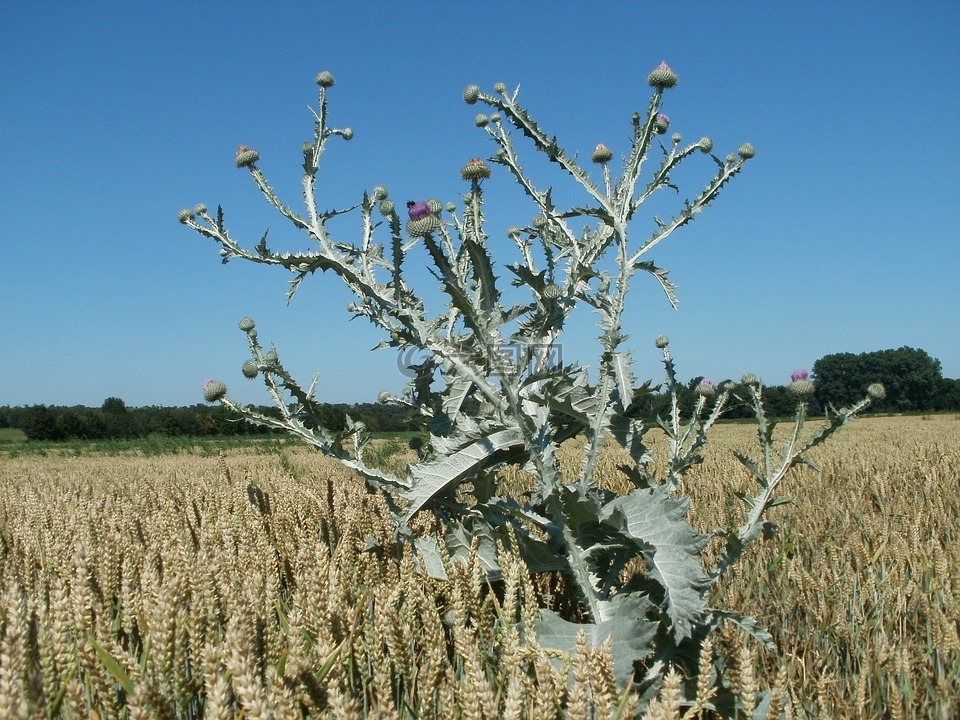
x=239, y=586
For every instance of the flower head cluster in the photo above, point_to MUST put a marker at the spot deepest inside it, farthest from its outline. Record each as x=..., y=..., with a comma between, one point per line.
x=800, y=385
x=662, y=77
x=475, y=169
x=423, y=219
x=706, y=388
x=417, y=210
x=246, y=156
x=877, y=391
x=214, y=390
x=661, y=123
x=601, y=154
x=552, y=291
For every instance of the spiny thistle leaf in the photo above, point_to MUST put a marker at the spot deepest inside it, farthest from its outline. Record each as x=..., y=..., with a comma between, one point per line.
x=657, y=521
x=630, y=633
x=661, y=275
x=623, y=377
x=261, y=247
x=432, y=478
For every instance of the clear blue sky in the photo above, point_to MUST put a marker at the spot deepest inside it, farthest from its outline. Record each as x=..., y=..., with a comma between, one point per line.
x=842, y=235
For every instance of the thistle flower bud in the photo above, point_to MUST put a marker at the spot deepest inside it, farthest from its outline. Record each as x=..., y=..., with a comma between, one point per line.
x=601, y=154
x=451, y=207
x=551, y=291
x=199, y=209
x=539, y=222
x=705, y=388
x=513, y=231
x=384, y=396
x=801, y=388
x=386, y=208
x=271, y=357
x=250, y=369
x=661, y=123
x=731, y=159
x=706, y=144
x=662, y=341
x=347, y=133
x=676, y=138
x=481, y=120
x=325, y=79
x=471, y=93
x=246, y=156
x=494, y=117
x=727, y=385
x=423, y=226
x=746, y=151
x=475, y=169
x=500, y=88
x=214, y=390
x=247, y=324
x=662, y=77
x=307, y=149
x=434, y=205
x=186, y=215
x=380, y=193
x=749, y=379
x=876, y=391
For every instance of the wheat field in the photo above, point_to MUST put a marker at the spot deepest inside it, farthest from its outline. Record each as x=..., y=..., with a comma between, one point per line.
x=185, y=586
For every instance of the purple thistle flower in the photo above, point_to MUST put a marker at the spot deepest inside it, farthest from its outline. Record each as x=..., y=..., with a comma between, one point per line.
x=418, y=210
x=797, y=375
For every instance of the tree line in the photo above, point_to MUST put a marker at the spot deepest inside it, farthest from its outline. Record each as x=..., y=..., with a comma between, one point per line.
x=114, y=420
x=913, y=380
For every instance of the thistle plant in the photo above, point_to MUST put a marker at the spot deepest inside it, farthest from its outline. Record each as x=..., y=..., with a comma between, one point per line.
x=492, y=388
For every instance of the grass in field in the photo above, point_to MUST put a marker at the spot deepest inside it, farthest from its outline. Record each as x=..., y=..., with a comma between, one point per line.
x=11, y=435
x=151, y=445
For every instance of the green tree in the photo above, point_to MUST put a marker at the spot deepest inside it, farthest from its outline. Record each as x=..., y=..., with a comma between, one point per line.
x=948, y=395
x=117, y=420
x=38, y=422
x=912, y=378
x=114, y=405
